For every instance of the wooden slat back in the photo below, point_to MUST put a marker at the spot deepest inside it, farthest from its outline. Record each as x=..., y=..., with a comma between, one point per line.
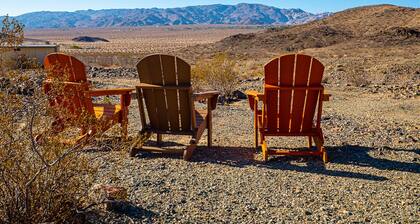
x=292, y=110
x=272, y=96
x=312, y=97
x=170, y=109
x=68, y=100
x=66, y=85
x=65, y=67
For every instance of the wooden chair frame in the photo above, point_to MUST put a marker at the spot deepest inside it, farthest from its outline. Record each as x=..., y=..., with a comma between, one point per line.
x=80, y=85
x=200, y=119
x=260, y=122
x=315, y=136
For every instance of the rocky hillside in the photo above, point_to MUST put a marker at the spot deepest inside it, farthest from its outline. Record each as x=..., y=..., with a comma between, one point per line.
x=373, y=25
x=365, y=45
x=241, y=14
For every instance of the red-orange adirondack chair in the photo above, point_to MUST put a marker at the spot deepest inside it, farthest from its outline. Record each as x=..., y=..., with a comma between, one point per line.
x=292, y=94
x=69, y=95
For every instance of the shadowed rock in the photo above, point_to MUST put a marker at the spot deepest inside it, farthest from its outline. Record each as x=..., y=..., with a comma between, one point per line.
x=89, y=39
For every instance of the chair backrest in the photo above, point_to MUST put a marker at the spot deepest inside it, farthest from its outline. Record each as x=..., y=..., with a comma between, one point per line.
x=169, y=103
x=66, y=85
x=293, y=91
x=65, y=67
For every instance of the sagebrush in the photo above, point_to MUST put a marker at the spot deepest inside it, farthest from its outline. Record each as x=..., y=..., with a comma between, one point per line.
x=43, y=180
x=218, y=74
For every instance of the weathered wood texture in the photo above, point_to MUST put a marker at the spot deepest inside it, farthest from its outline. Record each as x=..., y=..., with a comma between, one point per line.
x=165, y=93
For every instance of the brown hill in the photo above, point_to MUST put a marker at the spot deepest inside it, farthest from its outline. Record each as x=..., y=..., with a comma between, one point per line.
x=365, y=42
x=375, y=25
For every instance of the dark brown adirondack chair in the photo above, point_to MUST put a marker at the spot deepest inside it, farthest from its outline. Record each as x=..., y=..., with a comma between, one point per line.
x=292, y=94
x=165, y=93
x=70, y=97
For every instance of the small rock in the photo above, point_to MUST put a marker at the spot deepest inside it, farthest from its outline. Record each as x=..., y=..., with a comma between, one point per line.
x=239, y=95
x=115, y=193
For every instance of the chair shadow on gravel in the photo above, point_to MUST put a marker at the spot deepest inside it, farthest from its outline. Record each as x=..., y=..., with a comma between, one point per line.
x=106, y=144
x=130, y=210
x=346, y=155
x=359, y=156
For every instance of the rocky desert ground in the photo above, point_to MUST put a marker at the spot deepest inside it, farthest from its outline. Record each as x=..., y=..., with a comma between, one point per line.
x=371, y=126
x=372, y=136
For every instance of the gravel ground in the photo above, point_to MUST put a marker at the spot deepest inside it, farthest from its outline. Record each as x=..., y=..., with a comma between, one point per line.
x=373, y=176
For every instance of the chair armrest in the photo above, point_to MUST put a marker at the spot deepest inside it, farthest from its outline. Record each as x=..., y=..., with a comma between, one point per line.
x=254, y=96
x=74, y=84
x=210, y=96
x=326, y=97
x=125, y=94
x=205, y=95
x=106, y=92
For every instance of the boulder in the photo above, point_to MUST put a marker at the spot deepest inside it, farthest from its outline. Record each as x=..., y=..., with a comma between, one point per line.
x=239, y=95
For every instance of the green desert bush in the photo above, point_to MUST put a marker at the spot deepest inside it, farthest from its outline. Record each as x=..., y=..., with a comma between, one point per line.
x=75, y=47
x=217, y=73
x=43, y=180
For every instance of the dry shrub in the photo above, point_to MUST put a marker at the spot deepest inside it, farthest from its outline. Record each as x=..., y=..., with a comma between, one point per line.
x=40, y=181
x=217, y=74
x=358, y=76
x=24, y=62
x=77, y=47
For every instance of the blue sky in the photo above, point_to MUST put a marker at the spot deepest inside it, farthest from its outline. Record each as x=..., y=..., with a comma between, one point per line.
x=17, y=7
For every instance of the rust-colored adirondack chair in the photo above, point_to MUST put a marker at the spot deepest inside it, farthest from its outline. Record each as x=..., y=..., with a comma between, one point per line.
x=165, y=91
x=292, y=94
x=70, y=97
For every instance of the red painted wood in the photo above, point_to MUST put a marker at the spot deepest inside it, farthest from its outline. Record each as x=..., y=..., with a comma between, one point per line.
x=65, y=68
x=317, y=72
x=301, y=79
x=287, y=67
x=271, y=77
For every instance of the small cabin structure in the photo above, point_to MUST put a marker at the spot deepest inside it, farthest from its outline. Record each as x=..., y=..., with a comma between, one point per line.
x=33, y=49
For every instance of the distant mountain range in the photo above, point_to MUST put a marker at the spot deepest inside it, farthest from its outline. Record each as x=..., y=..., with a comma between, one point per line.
x=241, y=14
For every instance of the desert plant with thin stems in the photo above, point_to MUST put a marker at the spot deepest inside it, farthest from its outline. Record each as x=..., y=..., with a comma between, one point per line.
x=43, y=180
x=217, y=73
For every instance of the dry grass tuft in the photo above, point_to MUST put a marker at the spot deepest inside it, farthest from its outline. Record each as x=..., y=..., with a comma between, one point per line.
x=217, y=74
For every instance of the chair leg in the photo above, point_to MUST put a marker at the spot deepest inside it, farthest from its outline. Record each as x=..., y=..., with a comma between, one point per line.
x=124, y=129
x=256, y=135
x=309, y=142
x=320, y=147
x=256, y=123
x=124, y=123
x=264, y=151
x=209, y=130
x=159, y=139
x=324, y=155
x=264, y=148
x=188, y=152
